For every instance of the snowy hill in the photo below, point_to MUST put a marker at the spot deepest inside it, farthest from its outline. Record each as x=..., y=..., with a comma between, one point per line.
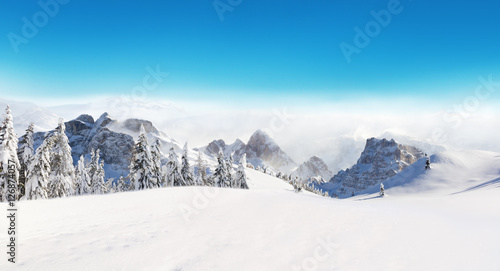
x=268, y=227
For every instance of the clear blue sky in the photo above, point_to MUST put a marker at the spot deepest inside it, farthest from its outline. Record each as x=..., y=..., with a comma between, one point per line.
x=263, y=48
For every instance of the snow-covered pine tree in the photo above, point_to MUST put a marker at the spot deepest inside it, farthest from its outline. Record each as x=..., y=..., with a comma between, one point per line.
x=230, y=170
x=61, y=163
x=9, y=176
x=241, y=176
x=25, y=155
x=156, y=162
x=382, y=190
x=174, y=176
x=221, y=175
x=186, y=173
x=82, y=178
x=110, y=185
x=142, y=169
x=96, y=173
x=121, y=186
x=201, y=171
x=39, y=172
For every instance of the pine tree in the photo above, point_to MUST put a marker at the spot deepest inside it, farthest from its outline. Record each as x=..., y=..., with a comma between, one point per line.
x=142, y=169
x=173, y=175
x=82, y=178
x=241, y=176
x=25, y=155
x=382, y=190
x=221, y=175
x=230, y=170
x=9, y=163
x=63, y=171
x=201, y=171
x=156, y=162
x=186, y=173
x=39, y=172
x=96, y=173
x=121, y=185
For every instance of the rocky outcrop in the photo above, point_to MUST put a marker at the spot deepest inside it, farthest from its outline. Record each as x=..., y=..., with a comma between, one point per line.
x=380, y=160
x=85, y=134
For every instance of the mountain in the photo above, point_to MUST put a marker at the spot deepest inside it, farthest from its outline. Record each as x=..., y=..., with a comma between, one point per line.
x=113, y=138
x=261, y=151
x=380, y=160
x=314, y=167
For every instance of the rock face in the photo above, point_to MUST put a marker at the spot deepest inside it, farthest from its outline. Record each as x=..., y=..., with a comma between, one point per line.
x=261, y=146
x=314, y=167
x=380, y=160
x=261, y=151
x=85, y=134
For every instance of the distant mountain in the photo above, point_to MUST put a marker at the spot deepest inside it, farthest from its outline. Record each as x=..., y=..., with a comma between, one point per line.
x=261, y=150
x=314, y=167
x=380, y=160
x=23, y=113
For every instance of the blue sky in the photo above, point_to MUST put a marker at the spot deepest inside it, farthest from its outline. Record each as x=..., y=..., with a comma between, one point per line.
x=262, y=50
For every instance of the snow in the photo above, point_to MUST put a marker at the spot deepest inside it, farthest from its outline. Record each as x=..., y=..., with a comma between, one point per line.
x=270, y=227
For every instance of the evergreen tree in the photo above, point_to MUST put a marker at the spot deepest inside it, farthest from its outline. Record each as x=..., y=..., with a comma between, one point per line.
x=241, y=176
x=25, y=155
x=96, y=173
x=382, y=190
x=9, y=163
x=82, y=178
x=156, y=162
x=186, y=173
x=39, y=172
x=230, y=170
x=221, y=173
x=142, y=169
x=201, y=171
x=174, y=177
x=121, y=185
x=63, y=171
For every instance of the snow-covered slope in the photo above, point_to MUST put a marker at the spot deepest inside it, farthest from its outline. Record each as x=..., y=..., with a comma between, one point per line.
x=268, y=227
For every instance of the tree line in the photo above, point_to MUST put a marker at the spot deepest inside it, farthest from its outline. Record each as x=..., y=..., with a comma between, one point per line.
x=49, y=172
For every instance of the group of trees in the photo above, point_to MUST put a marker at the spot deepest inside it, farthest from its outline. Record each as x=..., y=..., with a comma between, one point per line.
x=49, y=172
x=146, y=171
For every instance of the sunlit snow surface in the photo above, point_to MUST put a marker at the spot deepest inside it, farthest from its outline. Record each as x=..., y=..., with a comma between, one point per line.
x=270, y=227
